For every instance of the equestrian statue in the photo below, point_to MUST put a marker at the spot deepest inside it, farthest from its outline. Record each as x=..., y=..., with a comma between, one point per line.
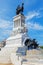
x=20, y=9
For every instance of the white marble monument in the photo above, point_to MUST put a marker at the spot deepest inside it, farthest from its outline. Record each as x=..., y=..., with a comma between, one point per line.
x=19, y=33
x=15, y=49
x=16, y=42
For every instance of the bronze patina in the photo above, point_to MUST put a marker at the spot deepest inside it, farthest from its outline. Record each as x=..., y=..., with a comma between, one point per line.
x=20, y=9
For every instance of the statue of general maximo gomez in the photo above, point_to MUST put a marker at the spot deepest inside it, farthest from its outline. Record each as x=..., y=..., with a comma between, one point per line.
x=19, y=9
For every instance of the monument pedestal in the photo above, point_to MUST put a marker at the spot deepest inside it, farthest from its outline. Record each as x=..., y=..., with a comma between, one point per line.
x=15, y=43
x=19, y=34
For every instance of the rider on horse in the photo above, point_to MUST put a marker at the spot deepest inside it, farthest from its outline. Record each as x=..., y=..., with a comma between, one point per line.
x=19, y=9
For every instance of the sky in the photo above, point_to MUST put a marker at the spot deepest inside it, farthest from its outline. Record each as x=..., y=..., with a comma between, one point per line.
x=33, y=11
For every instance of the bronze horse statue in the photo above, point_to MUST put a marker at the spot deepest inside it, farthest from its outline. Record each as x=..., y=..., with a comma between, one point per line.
x=19, y=9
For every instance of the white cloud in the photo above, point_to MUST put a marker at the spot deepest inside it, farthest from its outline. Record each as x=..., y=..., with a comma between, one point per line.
x=5, y=27
x=33, y=14
x=34, y=26
x=38, y=27
x=30, y=15
x=5, y=23
x=7, y=32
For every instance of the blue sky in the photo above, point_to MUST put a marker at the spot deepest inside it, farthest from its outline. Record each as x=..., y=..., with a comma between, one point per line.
x=33, y=10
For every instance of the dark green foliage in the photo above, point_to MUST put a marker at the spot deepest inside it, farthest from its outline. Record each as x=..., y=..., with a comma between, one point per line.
x=41, y=47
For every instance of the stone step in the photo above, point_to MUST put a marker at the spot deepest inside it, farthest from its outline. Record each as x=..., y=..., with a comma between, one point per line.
x=15, y=59
x=38, y=57
x=5, y=54
x=34, y=51
x=32, y=64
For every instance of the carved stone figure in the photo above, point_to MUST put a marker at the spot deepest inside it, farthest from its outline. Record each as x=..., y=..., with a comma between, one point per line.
x=31, y=44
